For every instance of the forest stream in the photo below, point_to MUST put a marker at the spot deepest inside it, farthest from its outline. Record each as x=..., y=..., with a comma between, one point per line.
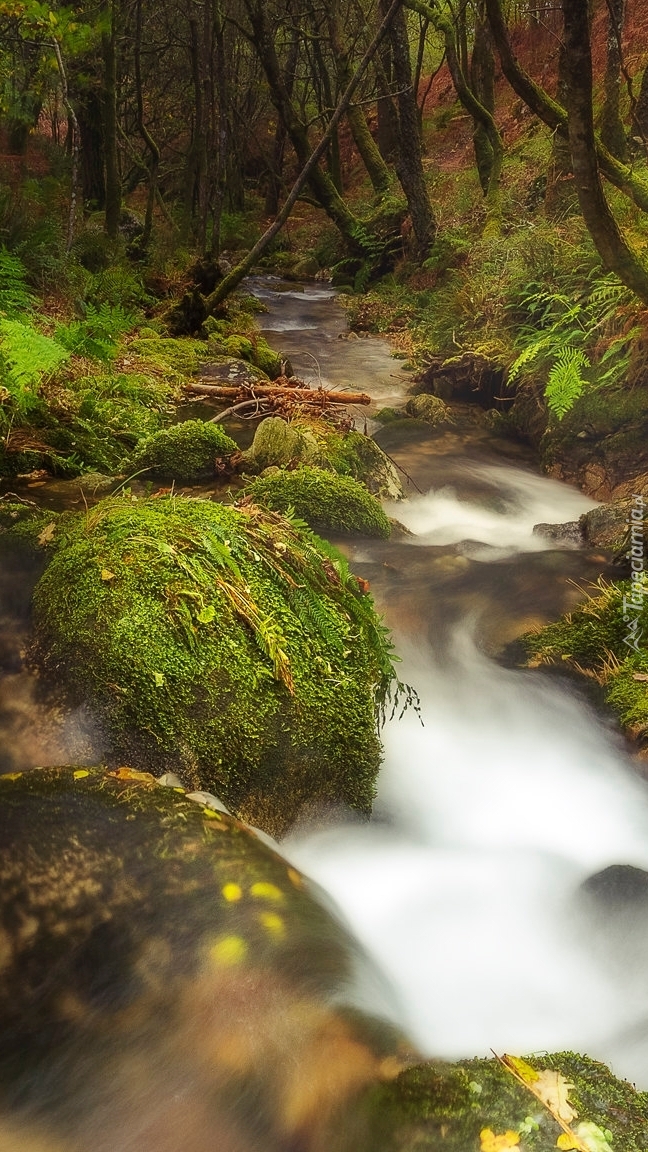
x=509, y=790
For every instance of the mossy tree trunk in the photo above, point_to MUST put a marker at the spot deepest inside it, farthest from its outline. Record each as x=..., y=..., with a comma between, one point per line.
x=481, y=115
x=560, y=195
x=612, y=128
x=364, y=141
x=616, y=254
x=554, y=114
x=482, y=82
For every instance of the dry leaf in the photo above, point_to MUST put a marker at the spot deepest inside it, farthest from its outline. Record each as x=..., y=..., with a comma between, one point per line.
x=553, y=1089
x=492, y=1143
x=640, y=676
x=524, y=1070
x=132, y=774
x=47, y=535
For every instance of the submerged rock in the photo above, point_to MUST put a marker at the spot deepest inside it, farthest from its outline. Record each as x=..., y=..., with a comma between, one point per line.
x=323, y=500
x=429, y=408
x=223, y=644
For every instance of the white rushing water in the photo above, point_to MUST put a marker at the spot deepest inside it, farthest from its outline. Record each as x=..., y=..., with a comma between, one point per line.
x=519, y=500
x=464, y=888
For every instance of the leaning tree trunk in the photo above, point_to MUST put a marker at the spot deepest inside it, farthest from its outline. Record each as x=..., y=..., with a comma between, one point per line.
x=612, y=128
x=320, y=182
x=615, y=252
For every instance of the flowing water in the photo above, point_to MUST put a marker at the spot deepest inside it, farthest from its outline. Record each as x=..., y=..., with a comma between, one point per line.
x=466, y=887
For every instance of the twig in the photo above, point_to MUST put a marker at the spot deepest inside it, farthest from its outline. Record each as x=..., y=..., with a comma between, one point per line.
x=253, y=403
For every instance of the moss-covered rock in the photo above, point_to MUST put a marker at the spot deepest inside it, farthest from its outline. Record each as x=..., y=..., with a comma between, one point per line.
x=224, y=644
x=257, y=351
x=185, y=452
x=323, y=499
x=172, y=968
x=318, y=443
x=455, y=1106
x=429, y=408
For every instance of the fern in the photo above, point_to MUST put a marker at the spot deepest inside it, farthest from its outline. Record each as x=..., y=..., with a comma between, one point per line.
x=566, y=381
x=530, y=353
x=15, y=297
x=97, y=335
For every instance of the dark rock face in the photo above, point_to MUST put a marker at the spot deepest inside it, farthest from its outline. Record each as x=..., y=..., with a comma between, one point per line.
x=605, y=527
x=569, y=533
x=469, y=378
x=620, y=886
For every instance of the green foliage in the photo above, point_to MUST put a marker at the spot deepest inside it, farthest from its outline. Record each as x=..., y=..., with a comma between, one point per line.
x=15, y=297
x=97, y=335
x=322, y=500
x=604, y=637
x=566, y=381
x=183, y=452
x=27, y=357
x=229, y=644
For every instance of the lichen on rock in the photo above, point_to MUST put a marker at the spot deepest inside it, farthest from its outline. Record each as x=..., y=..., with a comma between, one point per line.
x=323, y=500
x=228, y=645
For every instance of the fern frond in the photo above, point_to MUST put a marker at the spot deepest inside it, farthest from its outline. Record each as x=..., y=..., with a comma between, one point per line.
x=566, y=381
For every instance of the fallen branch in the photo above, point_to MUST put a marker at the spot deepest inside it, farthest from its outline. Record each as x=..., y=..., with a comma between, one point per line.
x=299, y=395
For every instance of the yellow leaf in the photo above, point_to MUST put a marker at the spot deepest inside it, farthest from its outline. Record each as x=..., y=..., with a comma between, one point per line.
x=524, y=1070
x=81, y=774
x=232, y=893
x=492, y=1143
x=107, y=575
x=567, y=1143
x=228, y=951
x=262, y=890
x=47, y=534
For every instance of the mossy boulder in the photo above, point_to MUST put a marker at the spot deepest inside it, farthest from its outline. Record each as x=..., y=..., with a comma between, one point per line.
x=256, y=351
x=172, y=967
x=455, y=1107
x=323, y=499
x=227, y=645
x=319, y=443
x=185, y=452
x=429, y=408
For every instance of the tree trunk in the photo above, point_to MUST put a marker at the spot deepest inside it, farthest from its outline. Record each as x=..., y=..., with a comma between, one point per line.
x=364, y=141
x=111, y=158
x=320, y=182
x=554, y=114
x=615, y=253
x=409, y=164
x=87, y=102
x=641, y=108
x=612, y=128
x=279, y=148
x=387, y=127
x=560, y=196
x=154, y=151
x=482, y=82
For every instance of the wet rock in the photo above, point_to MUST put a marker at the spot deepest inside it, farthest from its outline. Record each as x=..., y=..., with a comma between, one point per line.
x=429, y=408
x=231, y=371
x=208, y=800
x=569, y=533
x=606, y=526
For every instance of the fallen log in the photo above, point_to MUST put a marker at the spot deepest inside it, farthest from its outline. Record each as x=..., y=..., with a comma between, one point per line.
x=299, y=395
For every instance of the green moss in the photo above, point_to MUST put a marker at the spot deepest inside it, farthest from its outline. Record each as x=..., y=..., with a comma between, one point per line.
x=184, y=452
x=226, y=644
x=171, y=355
x=605, y=637
x=256, y=351
x=323, y=500
x=433, y=1106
